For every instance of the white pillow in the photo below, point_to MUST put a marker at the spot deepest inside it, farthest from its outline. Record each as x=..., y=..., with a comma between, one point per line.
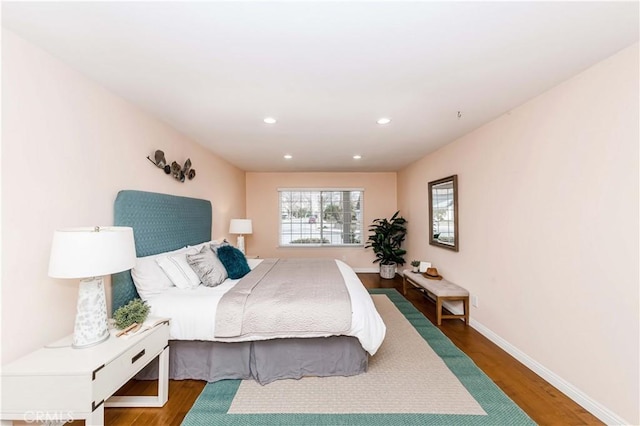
x=178, y=270
x=148, y=277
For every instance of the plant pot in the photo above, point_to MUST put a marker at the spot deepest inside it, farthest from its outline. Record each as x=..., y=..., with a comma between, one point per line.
x=415, y=269
x=388, y=272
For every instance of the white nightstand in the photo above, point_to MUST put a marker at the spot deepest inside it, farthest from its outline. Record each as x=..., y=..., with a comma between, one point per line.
x=59, y=383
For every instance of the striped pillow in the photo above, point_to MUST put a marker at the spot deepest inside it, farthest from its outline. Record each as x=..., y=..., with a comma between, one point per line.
x=179, y=271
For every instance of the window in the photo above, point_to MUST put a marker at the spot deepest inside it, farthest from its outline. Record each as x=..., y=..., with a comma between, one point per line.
x=313, y=217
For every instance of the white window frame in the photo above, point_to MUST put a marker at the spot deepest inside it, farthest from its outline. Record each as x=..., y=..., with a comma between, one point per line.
x=318, y=245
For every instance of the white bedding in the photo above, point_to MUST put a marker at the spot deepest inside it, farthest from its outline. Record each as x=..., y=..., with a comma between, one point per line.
x=193, y=312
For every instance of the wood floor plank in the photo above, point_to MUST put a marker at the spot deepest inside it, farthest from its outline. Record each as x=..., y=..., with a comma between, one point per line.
x=545, y=404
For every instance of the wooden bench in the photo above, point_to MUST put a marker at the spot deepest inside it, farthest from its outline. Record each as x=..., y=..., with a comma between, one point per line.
x=442, y=290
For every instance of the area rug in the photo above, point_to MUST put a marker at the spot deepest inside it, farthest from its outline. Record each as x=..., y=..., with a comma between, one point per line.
x=405, y=366
x=417, y=377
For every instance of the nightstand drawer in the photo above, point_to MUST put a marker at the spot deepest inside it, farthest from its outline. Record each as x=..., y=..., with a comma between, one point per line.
x=113, y=375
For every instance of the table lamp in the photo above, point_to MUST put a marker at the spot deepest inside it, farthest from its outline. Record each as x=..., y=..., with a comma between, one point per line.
x=240, y=226
x=91, y=253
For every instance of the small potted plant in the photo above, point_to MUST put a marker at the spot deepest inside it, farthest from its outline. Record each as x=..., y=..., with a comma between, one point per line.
x=416, y=266
x=134, y=312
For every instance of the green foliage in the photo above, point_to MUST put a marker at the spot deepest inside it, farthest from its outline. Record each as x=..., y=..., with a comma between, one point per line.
x=353, y=239
x=333, y=213
x=301, y=212
x=415, y=263
x=387, y=238
x=134, y=311
x=310, y=241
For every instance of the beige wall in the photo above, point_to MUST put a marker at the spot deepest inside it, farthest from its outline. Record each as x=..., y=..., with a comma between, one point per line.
x=68, y=147
x=263, y=209
x=548, y=197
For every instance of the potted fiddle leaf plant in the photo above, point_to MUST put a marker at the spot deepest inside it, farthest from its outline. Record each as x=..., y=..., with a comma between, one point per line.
x=386, y=241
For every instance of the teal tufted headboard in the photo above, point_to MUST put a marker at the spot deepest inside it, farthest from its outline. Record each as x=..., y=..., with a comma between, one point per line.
x=160, y=223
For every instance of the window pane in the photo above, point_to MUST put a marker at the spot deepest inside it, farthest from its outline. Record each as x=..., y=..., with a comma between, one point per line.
x=318, y=217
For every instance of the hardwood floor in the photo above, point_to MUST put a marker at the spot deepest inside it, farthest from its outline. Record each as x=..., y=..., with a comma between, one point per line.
x=542, y=402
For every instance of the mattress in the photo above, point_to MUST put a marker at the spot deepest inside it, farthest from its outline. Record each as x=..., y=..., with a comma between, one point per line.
x=193, y=312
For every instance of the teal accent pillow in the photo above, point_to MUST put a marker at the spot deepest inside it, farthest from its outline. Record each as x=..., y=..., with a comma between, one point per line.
x=234, y=262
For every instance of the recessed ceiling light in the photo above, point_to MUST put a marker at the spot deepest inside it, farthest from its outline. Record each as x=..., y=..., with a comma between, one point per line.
x=384, y=120
x=357, y=157
x=270, y=120
x=288, y=156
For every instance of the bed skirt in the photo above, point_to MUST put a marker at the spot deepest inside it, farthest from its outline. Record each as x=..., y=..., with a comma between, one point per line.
x=264, y=361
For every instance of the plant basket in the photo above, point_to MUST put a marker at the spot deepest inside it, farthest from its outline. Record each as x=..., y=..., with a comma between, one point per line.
x=388, y=272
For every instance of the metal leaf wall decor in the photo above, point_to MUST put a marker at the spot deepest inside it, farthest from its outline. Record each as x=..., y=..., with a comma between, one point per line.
x=178, y=173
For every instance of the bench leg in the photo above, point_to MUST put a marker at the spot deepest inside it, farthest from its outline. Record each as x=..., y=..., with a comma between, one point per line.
x=466, y=310
x=404, y=285
x=439, y=310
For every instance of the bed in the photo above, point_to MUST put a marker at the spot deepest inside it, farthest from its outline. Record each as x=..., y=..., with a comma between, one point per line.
x=164, y=223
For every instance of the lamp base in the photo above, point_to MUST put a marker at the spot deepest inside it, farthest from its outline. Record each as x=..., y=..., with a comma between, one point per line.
x=91, y=325
x=241, y=243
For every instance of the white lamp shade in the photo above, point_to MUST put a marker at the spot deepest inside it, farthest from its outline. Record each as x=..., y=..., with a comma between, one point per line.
x=240, y=226
x=91, y=252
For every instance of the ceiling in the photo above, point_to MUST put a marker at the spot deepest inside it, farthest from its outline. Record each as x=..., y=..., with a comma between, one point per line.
x=326, y=70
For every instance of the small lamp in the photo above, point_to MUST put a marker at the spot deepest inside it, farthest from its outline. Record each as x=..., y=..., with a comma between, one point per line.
x=91, y=253
x=240, y=226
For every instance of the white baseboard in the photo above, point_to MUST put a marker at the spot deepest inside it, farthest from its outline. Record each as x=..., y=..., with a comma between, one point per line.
x=589, y=404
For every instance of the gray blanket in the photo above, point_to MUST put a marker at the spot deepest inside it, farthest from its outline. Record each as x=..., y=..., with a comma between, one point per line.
x=286, y=298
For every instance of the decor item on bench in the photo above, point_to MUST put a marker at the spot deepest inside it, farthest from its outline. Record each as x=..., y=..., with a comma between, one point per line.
x=178, y=173
x=415, y=266
x=386, y=242
x=90, y=253
x=432, y=274
x=443, y=213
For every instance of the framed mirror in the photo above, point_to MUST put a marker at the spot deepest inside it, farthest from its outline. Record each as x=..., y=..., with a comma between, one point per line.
x=443, y=213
